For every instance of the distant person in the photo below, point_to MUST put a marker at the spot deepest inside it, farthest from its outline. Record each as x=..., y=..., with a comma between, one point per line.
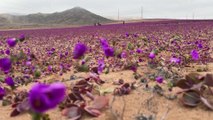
x=99, y=24
x=123, y=22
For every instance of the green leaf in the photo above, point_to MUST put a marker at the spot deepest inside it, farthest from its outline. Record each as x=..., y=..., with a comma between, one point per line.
x=209, y=80
x=184, y=84
x=130, y=46
x=170, y=84
x=191, y=98
x=6, y=102
x=1, y=79
x=107, y=70
x=45, y=117
x=36, y=116
x=83, y=68
x=118, y=52
x=37, y=73
x=156, y=51
x=88, y=58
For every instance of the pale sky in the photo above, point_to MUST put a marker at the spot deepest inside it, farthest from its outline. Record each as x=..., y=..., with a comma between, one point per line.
x=109, y=8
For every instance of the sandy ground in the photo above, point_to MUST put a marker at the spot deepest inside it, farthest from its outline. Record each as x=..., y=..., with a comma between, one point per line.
x=138, y=102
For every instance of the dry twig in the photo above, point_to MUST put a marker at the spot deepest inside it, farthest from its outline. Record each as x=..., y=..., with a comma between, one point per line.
x=166, y=113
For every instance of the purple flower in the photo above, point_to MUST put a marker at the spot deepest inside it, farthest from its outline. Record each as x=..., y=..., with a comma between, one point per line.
x=43, y=97
x=159, y=79
x=52, y=49
x=61, y=73
x=135, y=35
x=200, y=46
x=104, y=43
x=50, y=52
x=61, y=55
x=101, y=66
x=7, y=52
x=9, y=81
x=127, y=34
x=174, y=60
x=123, y=55
x=11, y=42
x=2, y=93
x=22, y=37
x=109, y=51
x=139, y=50
x=83, y=62
x=61, y=66
x=152, y=55
x=2, y=51
x=131, y=52
x=133, y=68
x=50, y=68
x=66, y=53
x=5, y=64
x=194, y=55
x=79, y=50
x=28, y=63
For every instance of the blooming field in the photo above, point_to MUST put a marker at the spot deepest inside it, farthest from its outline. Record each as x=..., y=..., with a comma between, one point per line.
x=147, y=70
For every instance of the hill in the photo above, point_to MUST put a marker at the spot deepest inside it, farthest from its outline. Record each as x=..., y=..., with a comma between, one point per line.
x=74, y=16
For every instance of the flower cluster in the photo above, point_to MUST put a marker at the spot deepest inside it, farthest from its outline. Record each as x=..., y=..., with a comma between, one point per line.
x=108, y=50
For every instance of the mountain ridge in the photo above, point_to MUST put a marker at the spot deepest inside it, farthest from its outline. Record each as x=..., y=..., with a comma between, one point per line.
x=73, y=16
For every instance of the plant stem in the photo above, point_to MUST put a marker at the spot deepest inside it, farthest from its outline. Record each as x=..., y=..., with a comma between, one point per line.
x=166, y=113
x=36, y=116
x=124, y=108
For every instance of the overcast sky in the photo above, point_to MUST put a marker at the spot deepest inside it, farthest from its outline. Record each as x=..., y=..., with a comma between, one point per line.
x=109, y=8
